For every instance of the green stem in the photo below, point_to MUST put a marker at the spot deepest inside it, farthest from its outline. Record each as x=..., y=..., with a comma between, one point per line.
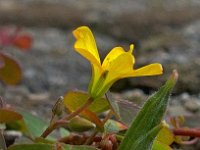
x=63, y=121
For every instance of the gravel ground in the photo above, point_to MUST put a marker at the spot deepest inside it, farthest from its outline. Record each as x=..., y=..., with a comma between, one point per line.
x=162, y=31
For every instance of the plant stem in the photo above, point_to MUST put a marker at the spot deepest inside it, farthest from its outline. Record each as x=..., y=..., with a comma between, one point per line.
x=77, y=139
x=2, y=141
x=186, y=132
x=1, y=102
x=79, y=110
x=64, y=121
x=90, y=139
x=108, y=116
x=191, y=142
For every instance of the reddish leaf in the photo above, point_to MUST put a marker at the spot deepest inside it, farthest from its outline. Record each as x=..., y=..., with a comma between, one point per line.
x=80, y=124
x=2, y=64
x=8, y=115
x=94, y=118
x=23, y=42
x=10, y=73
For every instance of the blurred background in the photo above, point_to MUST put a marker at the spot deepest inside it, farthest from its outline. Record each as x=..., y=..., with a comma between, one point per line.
x=167, y=32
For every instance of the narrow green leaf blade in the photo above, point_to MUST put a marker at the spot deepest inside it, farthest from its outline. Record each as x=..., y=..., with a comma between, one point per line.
x=144, y=142
x=148, y=118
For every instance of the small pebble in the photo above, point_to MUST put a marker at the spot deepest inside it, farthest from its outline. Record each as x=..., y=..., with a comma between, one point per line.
x=192, y=105
x=177, y=111
x=135, y=95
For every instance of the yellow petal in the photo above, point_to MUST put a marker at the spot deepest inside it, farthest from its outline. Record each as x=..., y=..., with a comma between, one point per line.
x=86, y=45
x=131, y=48
x=149, y=70
x=114, y=53
x=121, y=65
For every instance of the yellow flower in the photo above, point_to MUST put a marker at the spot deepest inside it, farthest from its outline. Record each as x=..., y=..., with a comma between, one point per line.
x=118, y=63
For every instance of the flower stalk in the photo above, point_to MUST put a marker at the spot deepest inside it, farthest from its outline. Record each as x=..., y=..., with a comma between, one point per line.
x=65, y=120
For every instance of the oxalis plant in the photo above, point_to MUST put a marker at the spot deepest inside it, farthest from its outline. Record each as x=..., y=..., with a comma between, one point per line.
x=92, y=120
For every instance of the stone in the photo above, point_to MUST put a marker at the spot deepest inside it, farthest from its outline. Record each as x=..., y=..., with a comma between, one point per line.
x=177, y=111
x=193, y=105
x=136, y=95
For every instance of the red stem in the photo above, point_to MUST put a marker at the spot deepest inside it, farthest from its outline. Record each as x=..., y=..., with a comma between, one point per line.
x=186, y=132
x=79, y=110
x=91, y=138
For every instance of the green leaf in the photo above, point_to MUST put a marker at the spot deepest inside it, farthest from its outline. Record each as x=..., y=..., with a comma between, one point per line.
x=112, y=126
x=75, y=99
x=34, y=124
x=31, y=147
x=30, y=125
x=10, y=73
x=148, y=118
x=41, y=146
x=8, y=115
x=64, y=132
x=43, y=140
x=19, y=125
x=144, y=142
x=160, y=146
